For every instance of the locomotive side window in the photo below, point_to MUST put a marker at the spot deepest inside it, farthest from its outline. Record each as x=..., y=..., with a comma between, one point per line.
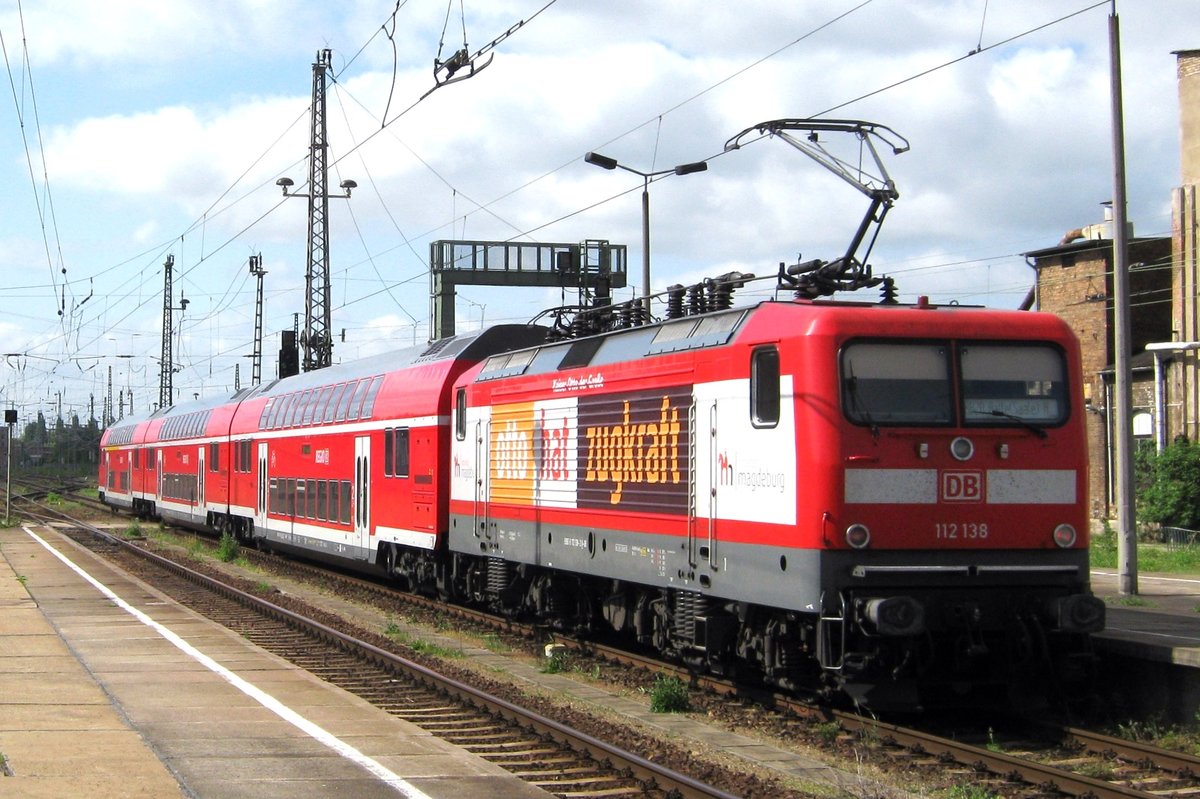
x=1013, y=384
x=460, y=414
x=897, y=383
x=764, y=387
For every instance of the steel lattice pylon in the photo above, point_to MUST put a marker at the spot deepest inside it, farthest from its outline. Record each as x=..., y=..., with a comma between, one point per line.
x=165, y=378
x=317, y=340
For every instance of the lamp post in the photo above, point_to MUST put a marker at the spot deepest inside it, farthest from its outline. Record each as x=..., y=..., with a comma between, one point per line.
x=318, y=337
x=604, y=162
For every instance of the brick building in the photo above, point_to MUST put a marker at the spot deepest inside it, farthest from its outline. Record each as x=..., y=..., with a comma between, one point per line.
x=1074, y=281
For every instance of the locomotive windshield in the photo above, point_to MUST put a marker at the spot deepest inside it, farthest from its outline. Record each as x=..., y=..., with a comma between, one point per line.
x=912, y=383
x=894, y=383
x=1007, y=381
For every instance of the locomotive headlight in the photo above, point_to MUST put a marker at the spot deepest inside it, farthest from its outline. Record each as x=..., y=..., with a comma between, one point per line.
x=1065, y=536
x=962, y=448
x=895, y=615
x=858, y=536
x=1078, y=613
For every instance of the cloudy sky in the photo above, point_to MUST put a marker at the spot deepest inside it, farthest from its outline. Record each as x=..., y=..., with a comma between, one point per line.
x=138, y=129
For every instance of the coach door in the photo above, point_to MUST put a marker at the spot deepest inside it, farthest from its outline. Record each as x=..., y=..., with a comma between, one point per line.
x=362, y=492
x=200, y=475
x=260, y=518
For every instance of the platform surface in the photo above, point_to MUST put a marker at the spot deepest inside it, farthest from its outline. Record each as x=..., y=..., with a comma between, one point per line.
x=132, y=695
x=1162, y=619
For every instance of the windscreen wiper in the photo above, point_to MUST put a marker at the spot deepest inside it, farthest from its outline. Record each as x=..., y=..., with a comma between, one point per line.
x=1028, y=425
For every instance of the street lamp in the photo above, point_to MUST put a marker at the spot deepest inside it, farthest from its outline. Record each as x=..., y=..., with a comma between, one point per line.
x=604, y=162
x=287, y=183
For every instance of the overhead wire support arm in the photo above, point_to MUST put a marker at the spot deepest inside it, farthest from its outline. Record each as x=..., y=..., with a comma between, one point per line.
x=448, y=71
x=847, y=273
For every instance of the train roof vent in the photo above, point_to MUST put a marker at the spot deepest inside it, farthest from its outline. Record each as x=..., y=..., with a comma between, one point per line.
x=444, y=348
x=122, y=435
x=506, y=364
x=580, y=353
x=710, y=330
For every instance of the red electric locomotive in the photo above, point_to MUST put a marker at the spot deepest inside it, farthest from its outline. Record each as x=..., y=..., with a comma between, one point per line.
x=879, y=498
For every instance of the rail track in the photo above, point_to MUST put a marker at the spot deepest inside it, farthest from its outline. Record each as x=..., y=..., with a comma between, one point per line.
x=1037, y=760
x=543, y=751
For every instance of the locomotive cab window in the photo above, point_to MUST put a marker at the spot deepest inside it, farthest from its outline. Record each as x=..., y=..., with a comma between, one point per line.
x=897, y=383
x=764, y=387
x=1013, y=384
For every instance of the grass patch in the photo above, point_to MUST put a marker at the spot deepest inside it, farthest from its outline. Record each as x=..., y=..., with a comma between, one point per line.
x=828, y=731
x=969, y=792
x=494, y=643
x=22, y=579
x=1151, y=556
x=134, y=530
x=227, y=549
x=557, y=661
x=669, y=695
x=195, y=549
x=420, y=645
x=1177, y=737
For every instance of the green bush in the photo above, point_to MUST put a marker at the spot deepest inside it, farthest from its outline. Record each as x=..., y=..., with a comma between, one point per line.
x=227, y=550
x=1169, y=485
x=669, y=695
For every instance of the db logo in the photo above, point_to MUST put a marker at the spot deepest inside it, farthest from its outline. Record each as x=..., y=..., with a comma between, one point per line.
x=962, y=486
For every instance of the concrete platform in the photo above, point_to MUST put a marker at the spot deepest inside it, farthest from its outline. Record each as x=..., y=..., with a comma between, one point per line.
x=127, y=694
x=1150, y=650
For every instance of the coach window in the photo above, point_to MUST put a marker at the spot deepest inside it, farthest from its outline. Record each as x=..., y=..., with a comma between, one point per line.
x=345, y=501
x=460, y=414
x=309, y=404
x=214, y=457
x=331, y=406
x=369, y=403
x=401, y=452
x=389, y=452
x=764, y=387
x=344, y=405
x=320, y=401
x=356, y=398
